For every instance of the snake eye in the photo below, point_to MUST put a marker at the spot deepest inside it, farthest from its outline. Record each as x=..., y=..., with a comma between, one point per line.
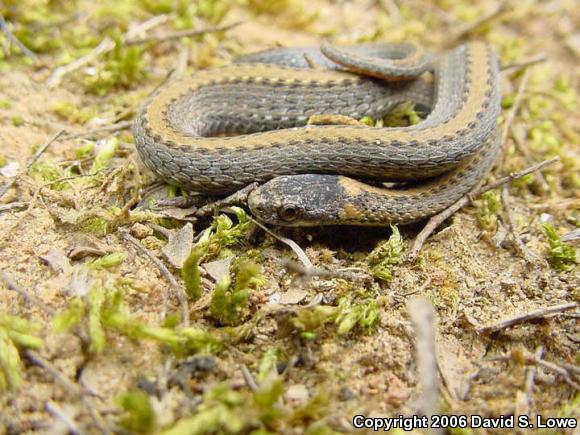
x=289, y=212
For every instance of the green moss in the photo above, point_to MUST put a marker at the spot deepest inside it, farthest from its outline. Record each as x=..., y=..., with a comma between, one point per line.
x=224, y=233
x=561, y=256
x=107, y=261
x=138, y=415
x=105, y=154
x=123, y=68
x=85, y=151
x=16, y=334
x=48, y=173
x=308, y=321
x=3, y=161
x=385, y=255
x=190, y=274
x=229, y=302
x=17, y=121
x=267, y=363
x=95, y=299
x=225, y=411
x=364, y=315
x=487, y=214
x=402, y=115
x=71, y=113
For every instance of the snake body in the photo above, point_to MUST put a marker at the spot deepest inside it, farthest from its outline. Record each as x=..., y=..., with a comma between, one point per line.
x=184, y=132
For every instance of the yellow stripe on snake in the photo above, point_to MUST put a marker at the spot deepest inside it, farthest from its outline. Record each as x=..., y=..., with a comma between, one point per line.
x=224, y=128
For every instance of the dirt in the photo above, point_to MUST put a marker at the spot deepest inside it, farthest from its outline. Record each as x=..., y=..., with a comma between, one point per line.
x=472, y=274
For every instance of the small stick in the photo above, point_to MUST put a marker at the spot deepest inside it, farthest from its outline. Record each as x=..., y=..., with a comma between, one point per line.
x=297, y=249
x=180, y=65
x=32, y=299
x=58, y=74
x=179, y=291
x=524, y=63
x=533, y=359
x=59, y=414
x=470, y=27
x=12, y=206
x=423, y=318
x=298, y=269
x=527, y=317
x=8, y=184
x=105, y=128
x=180, y=34
x=438, y=219
x=14, y=40
x=248, y=378
x=520, y=246
x=531, y=375
x=515, y=108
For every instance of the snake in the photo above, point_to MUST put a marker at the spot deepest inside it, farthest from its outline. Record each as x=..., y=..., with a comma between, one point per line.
x=224, y=128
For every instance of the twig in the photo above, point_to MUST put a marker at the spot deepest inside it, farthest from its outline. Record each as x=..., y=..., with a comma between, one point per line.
x=524, y=63
x=58, y=74
x=180, y=34
x=392, y=9
x=105, y=128
x=180, y=65
x=438, y=219
x=70, y=387
x=12, y=206
x=298, y=269
x=423, y=318
x=178, y=290
x=248, y=378
x=470, y=27
x=531, y=376
x=520, y=246
x=533, y=359
x=59, y=414
x=515, y=108
x=14, y=40
x=570, y=236
x=293, y=245
x=32, y=299
x=527, y=317
x=29, y=163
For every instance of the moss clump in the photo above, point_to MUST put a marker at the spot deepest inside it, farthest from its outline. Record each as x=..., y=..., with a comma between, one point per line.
x=385, y=255
x=229, y=302
x=224, y=233
x=487, y=214
x=225, y=411
x=16, y=334
x=562, y=257
x=124, y=67
x=364, y=315
x=49, y=173
x=190, y=274
x=138, y=415
x=72, y=113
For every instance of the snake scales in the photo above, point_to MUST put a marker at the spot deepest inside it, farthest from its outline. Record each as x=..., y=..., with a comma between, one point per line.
x=224, y=128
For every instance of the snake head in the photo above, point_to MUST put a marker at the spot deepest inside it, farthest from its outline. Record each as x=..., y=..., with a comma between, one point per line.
x=297, y=200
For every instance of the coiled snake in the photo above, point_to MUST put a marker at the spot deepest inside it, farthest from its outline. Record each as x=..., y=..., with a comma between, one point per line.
x=224, y=128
